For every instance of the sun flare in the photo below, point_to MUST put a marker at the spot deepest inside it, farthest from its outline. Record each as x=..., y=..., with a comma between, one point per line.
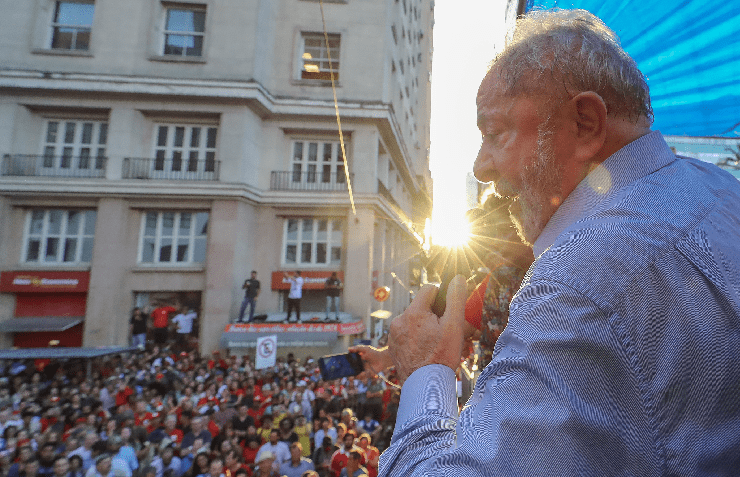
x=450, y=228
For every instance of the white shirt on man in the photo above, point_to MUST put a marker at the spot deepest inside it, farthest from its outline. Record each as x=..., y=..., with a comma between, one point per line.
x=184, y=322
x=296, y=287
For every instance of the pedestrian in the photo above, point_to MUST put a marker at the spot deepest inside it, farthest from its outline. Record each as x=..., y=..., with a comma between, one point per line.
x=265, y=465
x=161, y=322
x=184, y=322
x=61, y=466
x=623, y=335
x=354, y=467
x=295, y=294
x=138, y=328
x=333, y=291
x=103, y=467
x=297, y=464
x=251, y=288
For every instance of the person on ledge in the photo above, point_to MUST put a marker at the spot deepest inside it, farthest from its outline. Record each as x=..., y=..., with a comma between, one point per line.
x=294, y=295
x=251, y=288
x=333, y=287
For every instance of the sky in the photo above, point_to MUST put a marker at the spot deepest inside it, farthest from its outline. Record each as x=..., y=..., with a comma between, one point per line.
x=466, y=35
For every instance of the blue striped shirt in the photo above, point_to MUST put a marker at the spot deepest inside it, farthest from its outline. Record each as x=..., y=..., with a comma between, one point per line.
x=622, y=352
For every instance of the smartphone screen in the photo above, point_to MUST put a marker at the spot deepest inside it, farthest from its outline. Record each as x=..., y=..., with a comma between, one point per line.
x=338, y=366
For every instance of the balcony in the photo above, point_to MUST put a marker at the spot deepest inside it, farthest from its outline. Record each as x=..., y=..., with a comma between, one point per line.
x=316, y=181
x=171, y=169
x=53, y=166
x=383, y=190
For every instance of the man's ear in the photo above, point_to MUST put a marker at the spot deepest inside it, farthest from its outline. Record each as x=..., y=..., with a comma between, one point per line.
x=590, y=119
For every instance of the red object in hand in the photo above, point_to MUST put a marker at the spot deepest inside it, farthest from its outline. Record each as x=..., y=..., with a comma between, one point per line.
x=474, y=305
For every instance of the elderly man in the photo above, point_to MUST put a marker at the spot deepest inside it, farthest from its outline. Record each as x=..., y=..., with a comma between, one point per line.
x=620, y=355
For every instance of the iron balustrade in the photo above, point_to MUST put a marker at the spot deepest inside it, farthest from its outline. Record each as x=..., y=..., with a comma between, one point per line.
x=184, y=169
x=318, y=181
x=46, y=165
x=383, y=190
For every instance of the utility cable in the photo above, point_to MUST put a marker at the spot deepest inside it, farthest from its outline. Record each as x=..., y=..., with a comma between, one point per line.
x=336, y=109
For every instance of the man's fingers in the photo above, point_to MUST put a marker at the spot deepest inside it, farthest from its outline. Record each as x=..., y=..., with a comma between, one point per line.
x=424, y=298
x=457, y=295
x=358, y=349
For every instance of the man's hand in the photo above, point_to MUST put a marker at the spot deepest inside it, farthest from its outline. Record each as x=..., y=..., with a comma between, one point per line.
x=419, y=337
x=376, y=360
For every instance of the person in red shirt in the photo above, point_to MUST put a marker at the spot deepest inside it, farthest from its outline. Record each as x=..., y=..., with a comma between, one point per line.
x=233, y=462
x=161, y=322
x=340, y=457
x=256, y=411
x=371, y=453
x=123, y=393
x=211, y=425
x=216, y=361
x=251, y=448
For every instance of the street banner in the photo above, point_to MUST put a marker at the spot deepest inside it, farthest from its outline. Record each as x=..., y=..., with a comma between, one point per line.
x=266, y=352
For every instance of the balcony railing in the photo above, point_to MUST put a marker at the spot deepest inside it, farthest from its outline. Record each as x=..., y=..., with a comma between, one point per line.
x=383, y=190
x=171, y=169
x=318, y=181
x=53, y=166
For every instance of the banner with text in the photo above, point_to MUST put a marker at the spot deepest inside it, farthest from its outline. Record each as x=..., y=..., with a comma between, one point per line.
x=42, y=281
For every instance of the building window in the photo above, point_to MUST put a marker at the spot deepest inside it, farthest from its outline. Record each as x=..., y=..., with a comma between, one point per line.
x=184, y=30
x=315, y=62
x=70, y=28
x=173, y=238
x=313, y=242
x=317, y=162
x=185, y=149
x=76, y=145
x=56, y=236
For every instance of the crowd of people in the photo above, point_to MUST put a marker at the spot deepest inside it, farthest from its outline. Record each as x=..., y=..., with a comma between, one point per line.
x=162, y=413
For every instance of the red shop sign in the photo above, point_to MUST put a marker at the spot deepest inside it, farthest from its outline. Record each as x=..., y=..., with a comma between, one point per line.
x=312, y=280
x=26, y=281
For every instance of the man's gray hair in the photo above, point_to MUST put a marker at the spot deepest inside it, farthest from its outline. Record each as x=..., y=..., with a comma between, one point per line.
x=564, y=52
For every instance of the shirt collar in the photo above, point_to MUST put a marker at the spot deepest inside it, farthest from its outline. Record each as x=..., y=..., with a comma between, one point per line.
x=637, y=159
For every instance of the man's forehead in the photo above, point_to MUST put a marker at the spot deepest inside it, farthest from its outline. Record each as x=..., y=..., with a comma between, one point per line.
x=492, y=96
x=490, y=86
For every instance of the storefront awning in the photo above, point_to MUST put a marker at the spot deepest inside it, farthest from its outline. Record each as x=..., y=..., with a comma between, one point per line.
x=37, y=324
x=294, y=340
x=294, y=335
x=65, y=353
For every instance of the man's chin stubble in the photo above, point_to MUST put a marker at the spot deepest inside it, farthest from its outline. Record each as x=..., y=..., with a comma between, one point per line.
x=516, y=214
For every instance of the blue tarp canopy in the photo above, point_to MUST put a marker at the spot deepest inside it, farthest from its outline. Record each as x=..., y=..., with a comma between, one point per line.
x=690, y=52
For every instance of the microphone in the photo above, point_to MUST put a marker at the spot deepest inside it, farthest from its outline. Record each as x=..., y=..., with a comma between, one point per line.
x=474, y=303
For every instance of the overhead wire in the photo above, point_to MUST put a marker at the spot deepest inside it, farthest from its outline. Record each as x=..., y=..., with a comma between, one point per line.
x=336, y=110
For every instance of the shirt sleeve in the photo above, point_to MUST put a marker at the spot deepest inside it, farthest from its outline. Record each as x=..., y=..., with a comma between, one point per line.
x=559, y=398
x=425, y=423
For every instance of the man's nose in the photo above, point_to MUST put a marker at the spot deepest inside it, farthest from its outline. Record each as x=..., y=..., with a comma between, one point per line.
x=484, y=168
